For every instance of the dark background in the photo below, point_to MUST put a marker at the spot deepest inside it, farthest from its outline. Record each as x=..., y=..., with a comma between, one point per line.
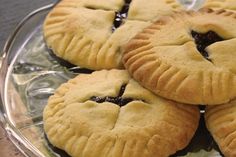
x=13, y=11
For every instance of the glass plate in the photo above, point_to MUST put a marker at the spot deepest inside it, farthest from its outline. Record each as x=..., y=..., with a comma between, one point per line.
x=29, y=75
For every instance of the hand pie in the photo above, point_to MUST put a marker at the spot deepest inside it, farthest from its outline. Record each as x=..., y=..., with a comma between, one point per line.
x=189, y=57
x=221, y=122
x=90, y=33
x=107, y=113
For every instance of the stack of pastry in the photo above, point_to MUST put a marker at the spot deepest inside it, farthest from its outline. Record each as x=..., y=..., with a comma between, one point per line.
x=155, y=63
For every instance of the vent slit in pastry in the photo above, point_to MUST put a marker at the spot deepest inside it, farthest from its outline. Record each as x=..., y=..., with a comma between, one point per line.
x=121, y=15
x=119, y=100
x=203, y=40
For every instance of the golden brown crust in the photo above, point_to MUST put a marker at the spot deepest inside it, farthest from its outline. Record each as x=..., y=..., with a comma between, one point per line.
x=152, y=10
x=80, y=31
x=221, y=122
x=150, y=126
x=167, y=61
x=220, y=4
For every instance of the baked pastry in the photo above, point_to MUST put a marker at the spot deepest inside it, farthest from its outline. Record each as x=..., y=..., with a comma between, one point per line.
x=189, y=57
x=89, y=33
x=152, y=10
x=221, y=122
x=107, y=113
x=221, y=4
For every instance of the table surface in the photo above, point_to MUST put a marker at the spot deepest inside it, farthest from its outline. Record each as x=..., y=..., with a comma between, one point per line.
x=11, y=13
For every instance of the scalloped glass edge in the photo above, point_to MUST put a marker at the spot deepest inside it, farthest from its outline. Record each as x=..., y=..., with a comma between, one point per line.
x=29, y=75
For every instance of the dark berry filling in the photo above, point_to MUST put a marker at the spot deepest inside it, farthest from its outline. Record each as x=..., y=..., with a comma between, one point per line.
x=71, y=67
x=203, y=40
x=202, y=140
x=57, y=151
x=60, y=60
x=121, y=15
x=116, y=100
x=119, y=100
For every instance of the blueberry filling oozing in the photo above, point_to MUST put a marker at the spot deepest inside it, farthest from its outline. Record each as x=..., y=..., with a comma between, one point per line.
x=59, y=152
x=70, y=67
x=118, y=100
x=121, y=15
x=202, y=40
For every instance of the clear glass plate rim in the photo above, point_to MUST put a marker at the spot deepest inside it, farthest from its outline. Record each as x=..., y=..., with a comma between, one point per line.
x=6, y=64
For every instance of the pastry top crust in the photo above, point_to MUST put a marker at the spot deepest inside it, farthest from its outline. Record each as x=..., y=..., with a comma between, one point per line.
x=222, y=4
x=152, y=10
x=148, y=126
x=167, y=55
x=221, y=122
x=81, y=31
